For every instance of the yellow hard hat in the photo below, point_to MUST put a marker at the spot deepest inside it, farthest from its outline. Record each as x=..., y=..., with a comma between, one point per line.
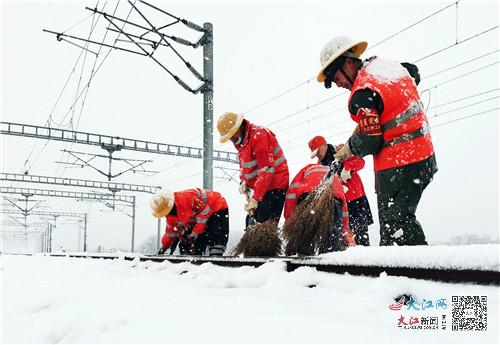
x=228, y=124
x=335, y=48
x=162, y=203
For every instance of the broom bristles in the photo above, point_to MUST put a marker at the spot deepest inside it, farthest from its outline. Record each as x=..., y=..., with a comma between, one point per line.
x=311, y=222
x=260, y=240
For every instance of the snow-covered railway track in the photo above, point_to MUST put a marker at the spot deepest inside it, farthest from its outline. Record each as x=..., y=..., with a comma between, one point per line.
x=443, y=274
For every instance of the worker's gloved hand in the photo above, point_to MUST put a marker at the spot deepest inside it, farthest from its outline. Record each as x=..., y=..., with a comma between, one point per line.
x=162, y=250
x=243, y=187
x=345, y=175
x=251, y=205
x=343, y=153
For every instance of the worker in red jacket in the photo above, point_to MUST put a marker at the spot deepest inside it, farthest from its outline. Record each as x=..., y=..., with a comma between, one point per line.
x=305, y=182
x=198, y=218
x=360, y=215
x=263, y=166
x=392, y=126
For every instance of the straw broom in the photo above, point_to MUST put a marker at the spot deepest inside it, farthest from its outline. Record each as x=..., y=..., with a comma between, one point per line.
x=312, y=222
x=260, y=239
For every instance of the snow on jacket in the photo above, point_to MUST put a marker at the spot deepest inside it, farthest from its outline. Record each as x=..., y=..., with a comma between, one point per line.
x=403, y=123
x=306, y=180
x=193, y=209
x=263, y=165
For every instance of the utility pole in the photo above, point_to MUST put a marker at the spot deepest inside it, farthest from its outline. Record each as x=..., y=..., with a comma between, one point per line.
x=49, y=246
x=158, y=238
x=208, y=106
x=133, y=224
x=85, y=233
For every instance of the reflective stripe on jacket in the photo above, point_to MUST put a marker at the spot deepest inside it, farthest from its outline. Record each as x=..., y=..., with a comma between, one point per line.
x=403, y=122
x=263, y=165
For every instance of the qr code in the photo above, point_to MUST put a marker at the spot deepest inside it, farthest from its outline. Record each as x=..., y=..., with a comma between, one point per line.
x=469, y=313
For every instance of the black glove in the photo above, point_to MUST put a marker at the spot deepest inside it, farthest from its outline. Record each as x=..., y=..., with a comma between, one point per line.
x=162, y=251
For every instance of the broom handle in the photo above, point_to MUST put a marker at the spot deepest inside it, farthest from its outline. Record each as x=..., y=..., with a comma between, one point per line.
x=251, y=220
x=335, y=167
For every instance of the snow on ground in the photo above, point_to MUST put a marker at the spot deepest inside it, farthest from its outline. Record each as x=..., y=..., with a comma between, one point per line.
x=73, y=300
x=476, y=256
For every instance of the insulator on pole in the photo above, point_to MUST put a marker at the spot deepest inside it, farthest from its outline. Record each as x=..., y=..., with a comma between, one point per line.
x=183, y=84
x=192, y=25
x=194, y=71
x=181, y=41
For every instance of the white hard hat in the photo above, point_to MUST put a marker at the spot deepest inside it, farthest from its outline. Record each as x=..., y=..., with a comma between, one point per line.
x=335, y=48
x=162, y=203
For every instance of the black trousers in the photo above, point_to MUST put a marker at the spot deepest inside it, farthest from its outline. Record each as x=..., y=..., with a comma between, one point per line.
x=214, y=240
x=398, y=223
x=270, y=207
x=360, y=216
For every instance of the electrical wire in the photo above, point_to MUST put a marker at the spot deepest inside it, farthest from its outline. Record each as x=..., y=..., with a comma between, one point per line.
x=461, y=64
x=455, y=44
x=465, y=117
x=278, y=96
x=376, y=44
x=414, y=24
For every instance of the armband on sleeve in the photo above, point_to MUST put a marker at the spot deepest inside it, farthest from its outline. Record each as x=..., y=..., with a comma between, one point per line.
x=369, y=121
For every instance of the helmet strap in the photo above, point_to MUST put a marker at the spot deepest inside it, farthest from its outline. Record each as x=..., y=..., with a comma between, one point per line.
x=346, y=76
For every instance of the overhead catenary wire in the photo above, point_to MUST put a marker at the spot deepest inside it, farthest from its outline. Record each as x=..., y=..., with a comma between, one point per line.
x=423, y=91
x=81, y=21
x=86, y=88
x=414, y=24
x=457, y=43
x=83, y=67
x=286, y=117
x=464, y=98
x=429, y=117
x=462, y=75
x=461, y=64
x=427, y=89
x=328, y=99
x=372, y=46
x=50, y=120
x=465, y=117
x=463, y=107
x=278, y=96
x=292, y=160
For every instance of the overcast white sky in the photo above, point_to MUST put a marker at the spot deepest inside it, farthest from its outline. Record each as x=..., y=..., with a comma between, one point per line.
x=261, y=49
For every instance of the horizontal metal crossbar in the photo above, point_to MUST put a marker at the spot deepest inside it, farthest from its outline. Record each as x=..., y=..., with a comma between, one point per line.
x=46, y=213
x=73, y=182
x=40, y=132
x=66, y=194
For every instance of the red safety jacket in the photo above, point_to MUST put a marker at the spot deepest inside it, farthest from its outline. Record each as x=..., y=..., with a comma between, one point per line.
x=306, y=180
x=194, y=207
x=263, y=165
x=354, y=186
x=403, y=122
